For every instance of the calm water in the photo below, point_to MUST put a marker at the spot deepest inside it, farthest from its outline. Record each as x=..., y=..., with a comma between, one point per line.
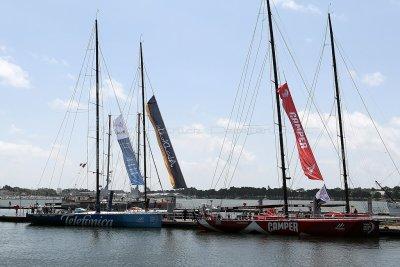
x=21, y=244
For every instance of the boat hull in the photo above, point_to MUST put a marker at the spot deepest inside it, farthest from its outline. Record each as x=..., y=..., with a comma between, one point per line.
x=125, y=220
x=335, y=227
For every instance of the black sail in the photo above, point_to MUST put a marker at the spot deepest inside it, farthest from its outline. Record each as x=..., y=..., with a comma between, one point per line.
x=164, y=142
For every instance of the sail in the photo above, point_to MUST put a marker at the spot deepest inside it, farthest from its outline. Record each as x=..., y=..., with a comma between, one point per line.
x=131, y=164
x=170, y=160
x=307, y=160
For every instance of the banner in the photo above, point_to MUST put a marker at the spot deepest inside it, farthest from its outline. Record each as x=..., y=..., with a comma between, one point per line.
x=131, y=164
x=307, y=160
x=322, y=195
x=167, y=151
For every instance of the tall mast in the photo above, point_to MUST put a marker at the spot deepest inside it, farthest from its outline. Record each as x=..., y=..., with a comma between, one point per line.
x=97, y=125
x=108, y=151
x=138, y=138
x=144, y=130
x=278, y=111
x=341, y=135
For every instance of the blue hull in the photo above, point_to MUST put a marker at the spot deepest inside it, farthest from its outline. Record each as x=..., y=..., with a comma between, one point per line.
x=126, y=220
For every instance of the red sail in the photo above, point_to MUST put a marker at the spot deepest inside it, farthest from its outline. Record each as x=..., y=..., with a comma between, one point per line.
x=306, y=156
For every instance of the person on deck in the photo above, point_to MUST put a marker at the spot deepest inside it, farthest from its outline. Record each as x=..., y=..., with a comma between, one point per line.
x=185, y=214
x=16, y=207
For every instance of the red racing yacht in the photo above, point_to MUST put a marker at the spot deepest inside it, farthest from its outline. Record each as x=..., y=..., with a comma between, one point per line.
x=269, y=221
x=334, y=225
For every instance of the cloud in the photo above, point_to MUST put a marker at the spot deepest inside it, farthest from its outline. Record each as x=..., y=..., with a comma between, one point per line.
x=199, y=161
x=353, y=74
x=71, y=77
x=114, y=87
x=15, y=130
x=367, y=156
x=60, y=104
x=110, y=89
x=395, y=121
x=295, y=5
x=3, y=48
x=374, y=79
x=21, y=150
x=50, y=60
x=13, y=75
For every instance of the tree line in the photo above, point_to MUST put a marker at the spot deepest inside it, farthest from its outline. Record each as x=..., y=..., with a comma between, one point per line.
x=232, y=192
x=299, y=194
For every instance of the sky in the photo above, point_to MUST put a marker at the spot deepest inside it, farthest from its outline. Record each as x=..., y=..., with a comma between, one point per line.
x=194, y=53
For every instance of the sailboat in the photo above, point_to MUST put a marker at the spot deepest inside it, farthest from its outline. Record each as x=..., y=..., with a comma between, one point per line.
x=273, y=223
x=129, y=219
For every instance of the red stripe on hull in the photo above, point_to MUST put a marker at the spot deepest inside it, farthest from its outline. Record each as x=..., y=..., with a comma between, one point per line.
x=349, y=227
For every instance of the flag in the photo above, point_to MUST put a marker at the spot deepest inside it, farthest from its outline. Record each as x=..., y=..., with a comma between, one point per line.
x=307, y=160
x=322, y=195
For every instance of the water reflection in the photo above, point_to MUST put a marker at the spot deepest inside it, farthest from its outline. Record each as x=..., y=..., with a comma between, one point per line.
x=171, y=247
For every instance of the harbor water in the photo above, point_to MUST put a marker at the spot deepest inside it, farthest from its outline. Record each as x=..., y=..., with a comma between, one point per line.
x=23, y=245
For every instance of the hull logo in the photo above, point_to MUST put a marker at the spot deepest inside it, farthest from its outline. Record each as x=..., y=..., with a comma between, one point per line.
x=285, y=226
x=368, y=227
x=86, y=220
x=340, y=227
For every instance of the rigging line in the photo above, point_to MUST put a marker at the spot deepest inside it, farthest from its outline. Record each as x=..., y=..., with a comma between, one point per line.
x=154, y=162
x=131, y=92
x=110, y=79
x=372, y=99
x=103, y=126
x=287, y=42
x=240, y=124
x=66, y=112
x=237, y=94
x=274, y=115
x=62, y=137
x=254, y=100
x=307, y=112
x=70, y=136
x=88, y=128
x=368, y=112
x=148, y=78
x=308, y=90
x=132, y=86
x=253, y=105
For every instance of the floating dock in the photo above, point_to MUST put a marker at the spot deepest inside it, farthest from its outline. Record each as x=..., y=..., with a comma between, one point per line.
x=178, y=223
x=15, y=219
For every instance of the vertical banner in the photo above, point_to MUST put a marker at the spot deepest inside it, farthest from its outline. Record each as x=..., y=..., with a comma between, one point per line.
x=307, y=160
x=167, y=151
x=131, y=164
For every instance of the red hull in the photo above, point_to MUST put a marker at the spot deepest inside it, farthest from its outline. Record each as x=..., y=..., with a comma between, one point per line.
x=338, y=227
